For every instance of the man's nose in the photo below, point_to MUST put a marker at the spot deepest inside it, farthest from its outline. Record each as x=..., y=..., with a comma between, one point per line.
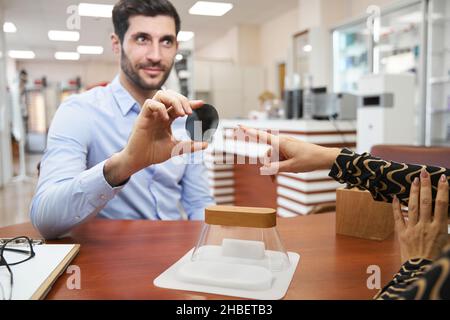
x=154, y=52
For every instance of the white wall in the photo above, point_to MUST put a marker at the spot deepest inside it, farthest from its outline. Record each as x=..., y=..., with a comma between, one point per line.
x=240, y=45
x=308, y=14
x=276, y=41
x=249, y=45
x=322, y=13
x=334, y=12
x=228, y=71
x=224, y=48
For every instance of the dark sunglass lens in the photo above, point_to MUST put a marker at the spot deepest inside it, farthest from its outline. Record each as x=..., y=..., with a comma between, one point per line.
x=202, y=123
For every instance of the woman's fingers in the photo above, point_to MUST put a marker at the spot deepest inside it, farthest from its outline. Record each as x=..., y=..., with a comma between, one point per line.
x=426, y=197
x=398, y=215
x=413, y=204
x=267, y=157
x=441, y=204
x=261, y=136
x=267, y=160
x=277, y=166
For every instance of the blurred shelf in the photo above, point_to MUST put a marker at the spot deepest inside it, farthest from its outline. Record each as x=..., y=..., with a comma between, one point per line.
x=440, y=80
x=443, y=111
x=442, y=51
x=441, y=21
x=394, y=32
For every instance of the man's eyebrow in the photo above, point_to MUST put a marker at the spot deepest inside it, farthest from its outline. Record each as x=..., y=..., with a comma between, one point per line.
x=147, y=35
x=140, y=34
x=168, y=37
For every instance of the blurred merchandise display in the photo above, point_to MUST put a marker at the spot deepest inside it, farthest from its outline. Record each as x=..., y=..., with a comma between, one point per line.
x=407, y=37
x=438, y=91
x=36, y=127
x=68, y=88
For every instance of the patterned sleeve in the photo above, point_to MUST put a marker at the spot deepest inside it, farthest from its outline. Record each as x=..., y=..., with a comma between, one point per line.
x=383, y=179
x=420, y=280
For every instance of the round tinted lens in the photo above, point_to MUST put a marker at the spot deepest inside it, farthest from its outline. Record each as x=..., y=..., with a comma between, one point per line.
x=202, y=124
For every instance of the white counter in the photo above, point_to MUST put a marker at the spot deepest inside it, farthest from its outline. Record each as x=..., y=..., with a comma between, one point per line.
x=292, y=125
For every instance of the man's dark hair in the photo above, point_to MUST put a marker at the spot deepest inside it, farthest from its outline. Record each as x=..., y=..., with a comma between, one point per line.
x=125, y=9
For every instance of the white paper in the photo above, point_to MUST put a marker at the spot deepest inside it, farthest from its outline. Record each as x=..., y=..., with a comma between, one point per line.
x=30, y=275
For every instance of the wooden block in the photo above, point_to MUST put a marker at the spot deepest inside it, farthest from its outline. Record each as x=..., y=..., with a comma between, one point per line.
x=358, y=215
x=241, y=217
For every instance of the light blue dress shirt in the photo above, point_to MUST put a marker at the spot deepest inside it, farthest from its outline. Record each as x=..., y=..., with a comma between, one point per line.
x=86, y=131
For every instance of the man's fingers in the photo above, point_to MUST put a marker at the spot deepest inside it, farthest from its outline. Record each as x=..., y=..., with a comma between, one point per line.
x=183, y=147
x=413, y=205
x=151, y=106
x=195, y=104
x=184, y=101
x=441, y=204
x=426, y=198
x=398, y=216
x=170, y=100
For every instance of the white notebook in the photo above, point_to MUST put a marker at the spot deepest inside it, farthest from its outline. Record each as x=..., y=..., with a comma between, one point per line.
x=33, y=279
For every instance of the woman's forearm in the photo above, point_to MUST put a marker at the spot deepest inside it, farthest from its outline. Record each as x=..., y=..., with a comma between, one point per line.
x=383, y=179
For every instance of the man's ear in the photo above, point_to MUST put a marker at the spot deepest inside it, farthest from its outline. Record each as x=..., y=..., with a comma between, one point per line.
x=115, y=43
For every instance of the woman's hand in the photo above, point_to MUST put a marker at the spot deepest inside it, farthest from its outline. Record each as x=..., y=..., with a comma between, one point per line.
x=423, y=235
x=288, y=154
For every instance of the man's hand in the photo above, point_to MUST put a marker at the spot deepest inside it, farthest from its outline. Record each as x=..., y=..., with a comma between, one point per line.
x=151, y=141
x=423, y=236
x=288, y=154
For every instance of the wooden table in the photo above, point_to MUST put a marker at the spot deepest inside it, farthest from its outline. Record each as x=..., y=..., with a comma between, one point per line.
x=120, y=259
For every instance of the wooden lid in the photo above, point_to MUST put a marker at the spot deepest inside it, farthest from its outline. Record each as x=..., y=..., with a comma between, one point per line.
x=241, y=217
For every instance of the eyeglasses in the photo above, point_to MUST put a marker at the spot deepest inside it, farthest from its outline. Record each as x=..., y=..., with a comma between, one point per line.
x=13, y=252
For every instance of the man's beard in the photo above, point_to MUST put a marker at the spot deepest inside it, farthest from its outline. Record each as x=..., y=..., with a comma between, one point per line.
x=133, y=75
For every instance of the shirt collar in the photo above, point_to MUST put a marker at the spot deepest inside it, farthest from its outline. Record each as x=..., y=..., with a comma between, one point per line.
x=123, y=98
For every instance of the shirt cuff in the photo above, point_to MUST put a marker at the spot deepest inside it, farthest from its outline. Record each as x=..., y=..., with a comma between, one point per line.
x=339, y=169
x=98, y=191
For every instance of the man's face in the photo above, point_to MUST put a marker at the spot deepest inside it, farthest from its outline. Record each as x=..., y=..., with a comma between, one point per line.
x=148, y=51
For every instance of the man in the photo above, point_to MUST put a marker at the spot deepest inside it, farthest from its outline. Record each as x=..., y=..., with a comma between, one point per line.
x=109, y=148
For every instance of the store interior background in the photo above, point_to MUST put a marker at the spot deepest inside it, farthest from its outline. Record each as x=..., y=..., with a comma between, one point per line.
x=230, y=62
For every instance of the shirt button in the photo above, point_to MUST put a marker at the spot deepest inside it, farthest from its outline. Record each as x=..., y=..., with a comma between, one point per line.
x=103, y=197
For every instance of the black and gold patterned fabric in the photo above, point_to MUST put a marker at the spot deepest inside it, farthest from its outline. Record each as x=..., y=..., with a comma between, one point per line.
x=383, y=179
x=418, y=278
